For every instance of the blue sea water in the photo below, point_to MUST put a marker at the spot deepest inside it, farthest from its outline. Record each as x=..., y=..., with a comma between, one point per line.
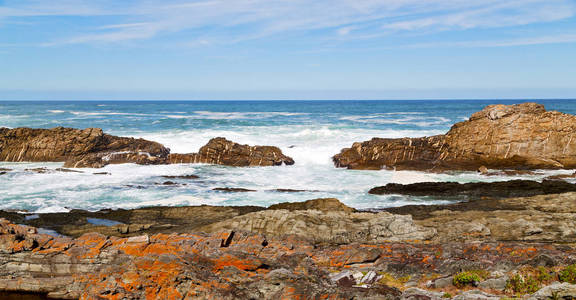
x=309, y=131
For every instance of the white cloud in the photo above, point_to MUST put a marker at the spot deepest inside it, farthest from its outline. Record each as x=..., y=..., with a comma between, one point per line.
x=529, y=41
x=210, y=21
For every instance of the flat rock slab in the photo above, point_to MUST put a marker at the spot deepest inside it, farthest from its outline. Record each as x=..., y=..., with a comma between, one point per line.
x=499, y=189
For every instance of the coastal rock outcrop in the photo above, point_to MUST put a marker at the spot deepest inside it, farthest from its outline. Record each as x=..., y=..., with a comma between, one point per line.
x=521, y=136
x=543, y=218
x=498, y=189
x=240, y=265
x=88, y=148
x=92, y=148
x=322, y=221
x=221, y=151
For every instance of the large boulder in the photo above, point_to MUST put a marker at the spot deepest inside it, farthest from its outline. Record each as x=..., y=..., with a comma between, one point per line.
x=521, y=136
x=221, y=151
x=77, y=148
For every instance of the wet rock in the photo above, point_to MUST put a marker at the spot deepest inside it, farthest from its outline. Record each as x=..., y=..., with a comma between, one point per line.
x=181, y=177
x=3, y=173
x=233, y=190
x=39, y=170
x=67, y=170
x=77, y=148
x=101, y=173
x=522, y=136
x=562, y=176
x=170, y=183
x=292, y=191
x=221, y=151
x=5, y=170
x=122, y=222
x=501, y=189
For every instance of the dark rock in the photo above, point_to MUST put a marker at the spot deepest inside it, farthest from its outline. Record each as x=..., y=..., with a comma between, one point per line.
x=233, y=190
x=322, y=204
x=101, y=173
x=500, y=189
x=221, y=151
x=5, y=170
x=3, y=173
x=181, y=177
x=68, y=170
x=522, y=136
x=39, y=170
x=292, y=191
x=560, y=177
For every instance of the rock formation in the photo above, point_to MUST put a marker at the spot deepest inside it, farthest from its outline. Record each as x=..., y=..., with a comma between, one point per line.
x=88, y=148
x=239, y=265
x=543, y=218
x=221, y=151
x=322, y=221
x=91, y=148
x=499, y=189
x=522, y=136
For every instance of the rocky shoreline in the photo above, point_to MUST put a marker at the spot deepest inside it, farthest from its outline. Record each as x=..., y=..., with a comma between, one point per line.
x=512, y=239
x=319, y=248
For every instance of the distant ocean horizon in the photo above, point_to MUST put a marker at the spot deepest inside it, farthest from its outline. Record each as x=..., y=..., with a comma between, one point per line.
x=310, y=131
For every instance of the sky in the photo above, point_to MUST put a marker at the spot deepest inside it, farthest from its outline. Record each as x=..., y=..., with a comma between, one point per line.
x=287, y=49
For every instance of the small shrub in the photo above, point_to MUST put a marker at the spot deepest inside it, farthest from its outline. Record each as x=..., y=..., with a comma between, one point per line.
x=544, y=275
x=447, y=295
x=463, y=279
x=568, y=274
x=523, y=285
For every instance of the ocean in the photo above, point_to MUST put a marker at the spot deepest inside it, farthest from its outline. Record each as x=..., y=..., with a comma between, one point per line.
x=311, y=132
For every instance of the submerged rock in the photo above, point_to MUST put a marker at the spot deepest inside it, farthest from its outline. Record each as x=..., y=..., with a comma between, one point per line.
x=232, y=190
x=221, y=151
x=88, y=148
x=522, y=136
x=499, y=189
x=181, y=176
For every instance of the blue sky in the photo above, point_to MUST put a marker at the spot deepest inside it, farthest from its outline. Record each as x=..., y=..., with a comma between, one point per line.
x=287, y=49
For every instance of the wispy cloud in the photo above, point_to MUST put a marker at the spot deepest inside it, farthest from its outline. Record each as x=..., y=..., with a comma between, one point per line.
x=530, y=41
x=213, y=21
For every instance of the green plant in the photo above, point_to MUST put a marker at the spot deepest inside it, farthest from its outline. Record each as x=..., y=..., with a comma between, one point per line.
x=463, y=279
x=523, y=285
x=568, y=274
x=543, y=274
x=447, y=295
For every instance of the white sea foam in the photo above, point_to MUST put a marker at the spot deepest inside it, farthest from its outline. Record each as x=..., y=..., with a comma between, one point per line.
x=56, y=111
x=211, y=115
x=106, y=113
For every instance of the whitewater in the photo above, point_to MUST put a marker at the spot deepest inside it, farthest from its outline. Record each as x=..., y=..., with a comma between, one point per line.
x=311, y=132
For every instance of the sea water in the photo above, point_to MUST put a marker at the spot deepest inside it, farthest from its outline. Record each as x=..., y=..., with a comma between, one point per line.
x=311, y=132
